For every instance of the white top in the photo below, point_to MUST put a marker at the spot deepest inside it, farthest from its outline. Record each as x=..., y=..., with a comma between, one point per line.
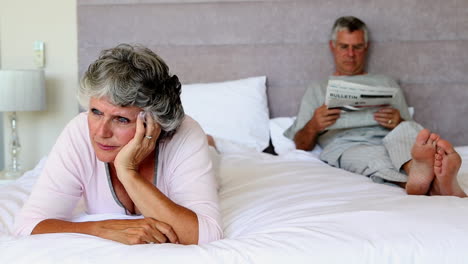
x=72, y=171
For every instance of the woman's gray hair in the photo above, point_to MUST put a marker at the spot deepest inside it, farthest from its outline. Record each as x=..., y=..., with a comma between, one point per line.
x=132, y=75
x=350, y=24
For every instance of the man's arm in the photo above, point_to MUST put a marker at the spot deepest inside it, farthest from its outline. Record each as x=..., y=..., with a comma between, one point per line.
x=306, y=138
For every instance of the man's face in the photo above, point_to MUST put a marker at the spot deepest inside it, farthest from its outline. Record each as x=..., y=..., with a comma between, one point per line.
x=349, y=52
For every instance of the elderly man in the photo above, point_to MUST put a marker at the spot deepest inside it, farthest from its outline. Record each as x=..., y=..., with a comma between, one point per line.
x=394, y=150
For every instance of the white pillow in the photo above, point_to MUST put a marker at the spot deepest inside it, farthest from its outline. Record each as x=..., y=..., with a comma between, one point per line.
x=282, y=144
x=231, y=110
x=411, y=111
x=225, y=146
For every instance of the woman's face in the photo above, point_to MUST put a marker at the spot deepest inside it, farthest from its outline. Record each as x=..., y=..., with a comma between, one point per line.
x=110, y=127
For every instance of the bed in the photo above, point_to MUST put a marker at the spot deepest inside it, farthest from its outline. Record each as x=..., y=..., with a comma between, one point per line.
x=290, y=207
x=285, y=208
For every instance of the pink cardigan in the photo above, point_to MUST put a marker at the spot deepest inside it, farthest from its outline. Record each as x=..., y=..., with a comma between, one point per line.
x=72, y=171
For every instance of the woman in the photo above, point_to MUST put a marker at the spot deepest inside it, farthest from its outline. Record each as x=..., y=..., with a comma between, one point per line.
x=133, y=152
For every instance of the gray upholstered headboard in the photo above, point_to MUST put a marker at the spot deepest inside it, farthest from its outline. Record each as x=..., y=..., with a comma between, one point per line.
x=421, y=43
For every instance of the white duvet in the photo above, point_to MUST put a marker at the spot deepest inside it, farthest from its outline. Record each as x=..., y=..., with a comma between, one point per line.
x=288, y=209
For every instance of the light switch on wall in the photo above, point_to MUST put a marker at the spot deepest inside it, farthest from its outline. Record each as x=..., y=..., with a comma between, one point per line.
x=39, y=54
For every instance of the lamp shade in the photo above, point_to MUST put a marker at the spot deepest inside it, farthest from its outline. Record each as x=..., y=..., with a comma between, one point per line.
x=22, y=90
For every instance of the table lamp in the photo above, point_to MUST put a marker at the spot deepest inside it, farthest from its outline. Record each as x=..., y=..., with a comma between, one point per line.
x=20, y=90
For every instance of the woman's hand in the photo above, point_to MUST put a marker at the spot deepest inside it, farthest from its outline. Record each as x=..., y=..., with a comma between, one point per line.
x=142, y=144
x=137, y=231
x=388, y=117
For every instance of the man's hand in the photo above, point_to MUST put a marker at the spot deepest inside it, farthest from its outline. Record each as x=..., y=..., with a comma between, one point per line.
x=324, y=117
x=388, y=117
x=137, y=231
x=306, y=138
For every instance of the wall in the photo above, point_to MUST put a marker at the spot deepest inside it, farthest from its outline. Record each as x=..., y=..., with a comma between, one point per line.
x=2, y=155
x=422, y=43
x=54, y=22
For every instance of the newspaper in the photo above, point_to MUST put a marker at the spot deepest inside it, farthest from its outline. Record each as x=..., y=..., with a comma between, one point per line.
x=358, y=102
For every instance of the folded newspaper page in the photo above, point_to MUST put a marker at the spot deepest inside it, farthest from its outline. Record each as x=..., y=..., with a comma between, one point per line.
x=358, y=102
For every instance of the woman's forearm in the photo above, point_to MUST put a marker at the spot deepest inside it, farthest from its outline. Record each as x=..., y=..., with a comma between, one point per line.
x=153, y=203
x=127, y=231
x=61, y=226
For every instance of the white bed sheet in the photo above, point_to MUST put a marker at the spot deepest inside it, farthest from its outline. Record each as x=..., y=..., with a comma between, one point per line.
x=288, y=209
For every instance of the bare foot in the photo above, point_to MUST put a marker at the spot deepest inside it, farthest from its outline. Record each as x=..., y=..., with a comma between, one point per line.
x=421, y=167
x=211, y=141
x=446, y=166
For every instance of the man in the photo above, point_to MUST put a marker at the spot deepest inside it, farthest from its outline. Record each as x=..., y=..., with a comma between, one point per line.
x=382, y=151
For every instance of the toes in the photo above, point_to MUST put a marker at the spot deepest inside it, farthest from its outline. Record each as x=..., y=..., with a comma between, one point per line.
x=440, y=151
x=433, y=138
x=423, y=137
x=445, y=146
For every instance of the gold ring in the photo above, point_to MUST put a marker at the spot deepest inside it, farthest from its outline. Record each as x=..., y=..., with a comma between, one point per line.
x=389, y=121
x=148, y=137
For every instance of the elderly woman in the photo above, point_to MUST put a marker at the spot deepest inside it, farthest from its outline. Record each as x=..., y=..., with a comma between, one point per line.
x=134, y=152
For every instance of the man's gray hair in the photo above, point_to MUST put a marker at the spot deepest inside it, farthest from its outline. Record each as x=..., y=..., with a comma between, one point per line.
x=133, y=75
x=350, y=24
